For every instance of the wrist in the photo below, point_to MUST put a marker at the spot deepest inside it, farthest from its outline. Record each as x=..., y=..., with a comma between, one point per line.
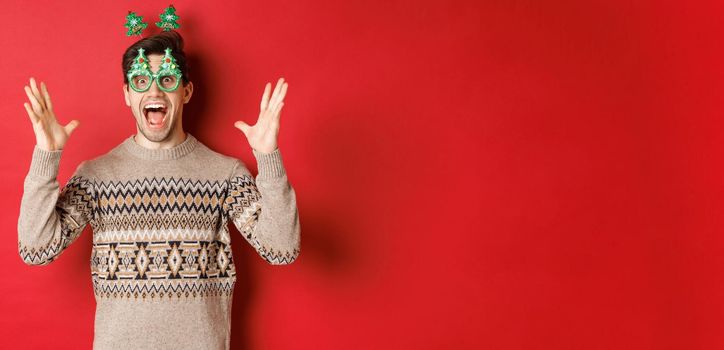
x=46, y=145
x=265, y=150
x=45, y=163
x=270, y=164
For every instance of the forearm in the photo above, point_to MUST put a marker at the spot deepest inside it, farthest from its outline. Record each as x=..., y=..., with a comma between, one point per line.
x=50, y=220
x=39, y=228
x=278, y=223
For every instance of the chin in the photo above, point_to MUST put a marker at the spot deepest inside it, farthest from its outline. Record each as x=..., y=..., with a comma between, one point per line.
x=154, y=134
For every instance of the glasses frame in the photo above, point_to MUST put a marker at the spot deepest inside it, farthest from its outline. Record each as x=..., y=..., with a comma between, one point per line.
x=154, y=78
x=168, y=67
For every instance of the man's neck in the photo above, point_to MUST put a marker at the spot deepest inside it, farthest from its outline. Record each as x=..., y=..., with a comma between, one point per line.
x=173, y=140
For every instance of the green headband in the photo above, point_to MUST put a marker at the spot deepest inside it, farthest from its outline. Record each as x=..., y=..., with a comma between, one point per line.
x=135, y=23
x=140, y=77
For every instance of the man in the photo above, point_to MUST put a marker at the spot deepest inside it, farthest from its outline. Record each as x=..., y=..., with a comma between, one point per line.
x=159, y=204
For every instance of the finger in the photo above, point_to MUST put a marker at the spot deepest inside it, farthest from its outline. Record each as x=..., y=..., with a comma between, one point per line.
x=265, y=96
x=36, y=92
x=283, y=92
x=46, y=95
x=71, y=126
x=244, y=127
x=279, y=96
x=277, y=111
x=278, y=87
x=34, y=118
x=34, y=101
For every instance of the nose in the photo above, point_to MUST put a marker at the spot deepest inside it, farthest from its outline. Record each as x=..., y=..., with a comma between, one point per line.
x=153, y=90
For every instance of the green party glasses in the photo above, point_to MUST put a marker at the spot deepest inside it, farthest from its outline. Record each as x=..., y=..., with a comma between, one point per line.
x=167, y=78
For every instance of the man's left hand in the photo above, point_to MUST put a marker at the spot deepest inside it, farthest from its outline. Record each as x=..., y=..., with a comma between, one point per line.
x=263, y=135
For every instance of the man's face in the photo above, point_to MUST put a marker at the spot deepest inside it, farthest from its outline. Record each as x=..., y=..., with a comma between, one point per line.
x=158, y=113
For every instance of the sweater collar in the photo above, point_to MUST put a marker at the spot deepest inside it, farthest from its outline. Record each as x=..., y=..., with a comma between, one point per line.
x=174, y=152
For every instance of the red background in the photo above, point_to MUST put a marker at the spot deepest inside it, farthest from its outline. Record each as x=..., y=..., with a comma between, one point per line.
x=489, y=174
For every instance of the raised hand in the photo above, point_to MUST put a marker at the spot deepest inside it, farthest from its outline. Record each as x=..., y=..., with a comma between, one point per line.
x=263, y=135
x=49, y=135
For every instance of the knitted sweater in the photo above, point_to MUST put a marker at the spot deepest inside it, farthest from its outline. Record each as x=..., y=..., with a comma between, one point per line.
x=161, y=265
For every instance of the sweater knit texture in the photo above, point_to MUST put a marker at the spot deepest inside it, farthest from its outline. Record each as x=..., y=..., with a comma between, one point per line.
x=162, y=269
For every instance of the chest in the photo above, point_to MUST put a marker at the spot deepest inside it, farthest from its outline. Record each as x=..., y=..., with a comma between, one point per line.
x=158, y=209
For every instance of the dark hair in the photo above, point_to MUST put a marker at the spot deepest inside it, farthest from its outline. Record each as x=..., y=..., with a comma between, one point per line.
x=157, y=44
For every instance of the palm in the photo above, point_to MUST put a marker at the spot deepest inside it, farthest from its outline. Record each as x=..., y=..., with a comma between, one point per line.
x=263, y=135
x=49, y=134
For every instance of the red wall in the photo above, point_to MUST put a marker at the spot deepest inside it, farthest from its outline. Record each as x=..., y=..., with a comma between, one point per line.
x=490, y=174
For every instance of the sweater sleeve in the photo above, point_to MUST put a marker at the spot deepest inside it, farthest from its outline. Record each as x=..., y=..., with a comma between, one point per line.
x=50, y=220
x=265, y=210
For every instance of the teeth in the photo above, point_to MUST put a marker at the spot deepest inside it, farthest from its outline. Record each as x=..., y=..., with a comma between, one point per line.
x=153, y=105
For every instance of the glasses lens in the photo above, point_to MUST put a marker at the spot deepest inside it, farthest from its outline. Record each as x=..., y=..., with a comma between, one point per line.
x=141, y=82
x=168, y=82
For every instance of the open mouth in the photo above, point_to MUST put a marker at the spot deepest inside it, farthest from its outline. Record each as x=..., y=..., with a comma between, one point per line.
x=155, y=113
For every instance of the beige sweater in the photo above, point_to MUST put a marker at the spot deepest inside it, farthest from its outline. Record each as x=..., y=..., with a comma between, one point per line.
x=162, y=268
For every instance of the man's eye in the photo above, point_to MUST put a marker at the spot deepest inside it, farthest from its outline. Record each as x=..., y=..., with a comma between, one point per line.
x=167, y=80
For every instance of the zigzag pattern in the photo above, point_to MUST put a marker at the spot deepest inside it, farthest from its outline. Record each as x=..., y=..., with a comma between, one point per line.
x=74, y=210
x=163, y=259
x=75, y=202
x=164, y=195
x=243, y=194
x=244, y=206
x=156, y=221
x=163, y=288
x=146, y=235
x=157, y=238
x=43, y=255
x=276, y=257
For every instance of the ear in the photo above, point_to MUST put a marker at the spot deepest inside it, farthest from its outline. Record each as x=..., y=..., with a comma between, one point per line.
x=188, y=91
x=125, y=95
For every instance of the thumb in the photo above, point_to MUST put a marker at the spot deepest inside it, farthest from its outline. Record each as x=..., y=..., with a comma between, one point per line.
x=71, y=126
x=244, y=127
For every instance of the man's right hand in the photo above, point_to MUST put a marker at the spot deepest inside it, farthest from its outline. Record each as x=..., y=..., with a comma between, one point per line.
x=49, y=135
